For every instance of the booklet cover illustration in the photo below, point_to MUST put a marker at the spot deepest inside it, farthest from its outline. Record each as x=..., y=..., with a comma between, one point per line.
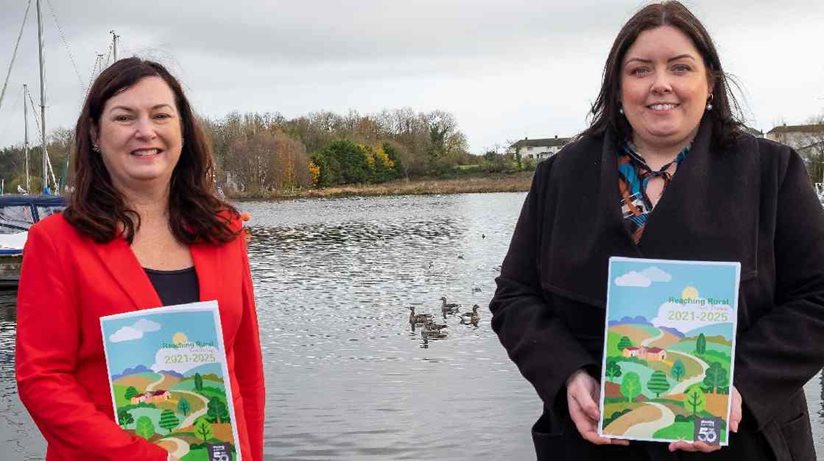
x=669, y=350
x=169, y=380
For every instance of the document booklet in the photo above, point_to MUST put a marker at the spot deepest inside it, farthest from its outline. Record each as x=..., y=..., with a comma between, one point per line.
x=669, y=350
x=169, y=380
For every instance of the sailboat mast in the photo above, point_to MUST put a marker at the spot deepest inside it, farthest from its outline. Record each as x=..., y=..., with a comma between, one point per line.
x=114, y=44
x=42, y=98
x=26, y=134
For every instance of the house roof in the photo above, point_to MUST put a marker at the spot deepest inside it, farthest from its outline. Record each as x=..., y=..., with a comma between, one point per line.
x=542, y=142
x=816, y=128
x=654, y=350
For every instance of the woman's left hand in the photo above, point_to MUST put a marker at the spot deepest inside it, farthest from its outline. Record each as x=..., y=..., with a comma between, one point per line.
x=702, y=447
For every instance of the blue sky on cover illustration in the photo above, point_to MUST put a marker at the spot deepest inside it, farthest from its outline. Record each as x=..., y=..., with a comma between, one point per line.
x=641, y=288
x=137, y=340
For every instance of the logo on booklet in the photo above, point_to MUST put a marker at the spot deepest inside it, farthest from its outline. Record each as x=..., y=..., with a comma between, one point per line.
x=707, y=430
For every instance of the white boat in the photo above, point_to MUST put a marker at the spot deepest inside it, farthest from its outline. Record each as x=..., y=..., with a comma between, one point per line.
x=17, y=214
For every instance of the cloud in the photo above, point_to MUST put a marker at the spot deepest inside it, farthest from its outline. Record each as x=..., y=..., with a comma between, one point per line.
x=687, y=317
x=146, y=325
x=633, y=279
x=656, y=275
x=134, y=331
x=126, y=334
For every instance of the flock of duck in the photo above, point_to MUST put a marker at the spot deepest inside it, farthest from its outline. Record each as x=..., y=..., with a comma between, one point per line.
x=432, y=330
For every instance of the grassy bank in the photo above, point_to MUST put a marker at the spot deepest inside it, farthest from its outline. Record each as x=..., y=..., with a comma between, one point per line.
x=516, y=182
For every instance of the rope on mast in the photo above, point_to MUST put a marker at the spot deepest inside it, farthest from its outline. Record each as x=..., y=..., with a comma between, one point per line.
x=66, y=44
x=14, y=54
x=49, y=168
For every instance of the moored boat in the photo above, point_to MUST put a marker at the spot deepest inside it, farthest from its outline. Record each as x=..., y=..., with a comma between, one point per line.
x=17, y=214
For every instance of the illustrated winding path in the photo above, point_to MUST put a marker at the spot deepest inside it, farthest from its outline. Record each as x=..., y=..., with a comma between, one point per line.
x=181, y=448
x=151, y=387
x=190, y=420
x=681, y=387
x=643, y=421
x=648, y=341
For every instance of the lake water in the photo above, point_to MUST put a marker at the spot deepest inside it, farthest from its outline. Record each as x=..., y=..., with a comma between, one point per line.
x=346, y=378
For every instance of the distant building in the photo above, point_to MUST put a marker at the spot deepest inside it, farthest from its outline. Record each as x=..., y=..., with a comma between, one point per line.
x=538, y=149
x=755, y=132
x=798, y=136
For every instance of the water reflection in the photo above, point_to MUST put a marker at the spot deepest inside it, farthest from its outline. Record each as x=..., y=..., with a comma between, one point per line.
x=349, y=376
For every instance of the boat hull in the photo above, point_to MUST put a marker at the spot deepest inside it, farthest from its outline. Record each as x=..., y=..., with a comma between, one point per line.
x=10, y=271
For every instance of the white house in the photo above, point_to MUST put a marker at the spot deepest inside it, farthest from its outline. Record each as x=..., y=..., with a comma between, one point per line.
x=539, y=149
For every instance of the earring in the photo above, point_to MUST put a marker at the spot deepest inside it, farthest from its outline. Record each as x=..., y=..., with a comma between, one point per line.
x=96, y=148
x=621, y=110
x=709, y=101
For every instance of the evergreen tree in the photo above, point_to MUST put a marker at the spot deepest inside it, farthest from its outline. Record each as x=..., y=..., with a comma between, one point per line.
x=183, y=406
x=701, y=344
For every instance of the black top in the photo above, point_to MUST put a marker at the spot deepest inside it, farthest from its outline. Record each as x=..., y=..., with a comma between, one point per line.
x=175, y=287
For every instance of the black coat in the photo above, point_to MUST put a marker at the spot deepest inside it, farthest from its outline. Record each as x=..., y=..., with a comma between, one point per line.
x=751, y=203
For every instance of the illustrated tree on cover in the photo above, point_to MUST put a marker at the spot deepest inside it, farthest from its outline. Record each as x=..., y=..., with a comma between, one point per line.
x=631, y=386
x=701, y=344
x=678, y=370
x=198, y=382
x=131, y=392
x=144, y=428
x=183, y=406
x=168, y=420
x=203, y=429
x=124, y=417
x=716, y=377
x=658, y=383
x=696, y=400
x=217, y=410
x=613, y=370
x=624, y=343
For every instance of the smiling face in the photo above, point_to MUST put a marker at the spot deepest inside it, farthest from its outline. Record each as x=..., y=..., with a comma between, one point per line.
x=664, y=89
x=140, y=136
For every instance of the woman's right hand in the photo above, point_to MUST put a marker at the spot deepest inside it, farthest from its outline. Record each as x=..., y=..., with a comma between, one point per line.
x=583, y=391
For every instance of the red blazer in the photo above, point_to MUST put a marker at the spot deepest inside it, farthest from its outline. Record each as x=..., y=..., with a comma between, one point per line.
x=67, y=283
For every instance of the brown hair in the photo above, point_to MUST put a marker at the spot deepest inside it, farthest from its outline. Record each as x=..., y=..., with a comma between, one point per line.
x=99, y=211
x=605, y=111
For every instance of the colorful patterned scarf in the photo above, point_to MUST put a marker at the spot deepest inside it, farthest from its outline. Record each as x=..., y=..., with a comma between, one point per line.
x=633, y=176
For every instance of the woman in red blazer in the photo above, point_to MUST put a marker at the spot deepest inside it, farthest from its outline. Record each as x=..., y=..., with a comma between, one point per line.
x=143, y=229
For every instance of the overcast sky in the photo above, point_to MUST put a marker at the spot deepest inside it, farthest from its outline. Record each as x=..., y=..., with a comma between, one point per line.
x=505, y=69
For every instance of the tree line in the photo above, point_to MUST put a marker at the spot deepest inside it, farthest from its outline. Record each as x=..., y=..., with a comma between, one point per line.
x=260, y=153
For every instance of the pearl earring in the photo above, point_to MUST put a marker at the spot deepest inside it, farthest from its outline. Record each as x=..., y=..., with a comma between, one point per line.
x=621, y=110
x=709, y=102
x=96, y=148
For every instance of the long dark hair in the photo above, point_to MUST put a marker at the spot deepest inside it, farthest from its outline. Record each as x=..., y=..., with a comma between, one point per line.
x=99, y=211
x=605, y=111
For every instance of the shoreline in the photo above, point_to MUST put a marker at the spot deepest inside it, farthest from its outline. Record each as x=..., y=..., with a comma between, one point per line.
x=514, y=182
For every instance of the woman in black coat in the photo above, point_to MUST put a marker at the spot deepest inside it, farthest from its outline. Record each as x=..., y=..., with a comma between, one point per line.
x=702, y=190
